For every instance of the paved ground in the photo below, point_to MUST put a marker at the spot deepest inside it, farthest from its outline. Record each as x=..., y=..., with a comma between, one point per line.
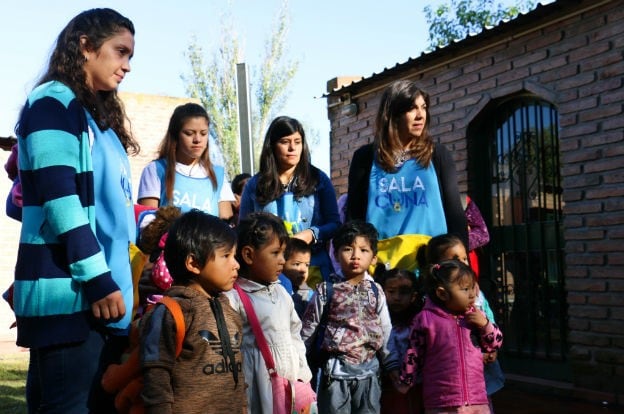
x=516, y=399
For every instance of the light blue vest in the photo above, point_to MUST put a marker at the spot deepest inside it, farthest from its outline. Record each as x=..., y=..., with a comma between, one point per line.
x=114, y=210
x=407, y=201
x=192, y=192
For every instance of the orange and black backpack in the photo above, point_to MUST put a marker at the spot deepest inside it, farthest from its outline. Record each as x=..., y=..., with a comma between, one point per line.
x=125, y=380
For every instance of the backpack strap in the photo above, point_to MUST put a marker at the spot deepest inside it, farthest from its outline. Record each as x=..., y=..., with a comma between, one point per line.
x=375, y=289
x=329, y=293
x=322, y=326
x=254, y=324
x=178, y=317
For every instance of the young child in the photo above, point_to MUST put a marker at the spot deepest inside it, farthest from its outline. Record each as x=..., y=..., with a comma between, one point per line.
x=446, y=247
x=200, y=254
x=441, y=348
x=298, y=255
x=358, y=326
x=155, y=278
x=401, y=289
x=262, y=239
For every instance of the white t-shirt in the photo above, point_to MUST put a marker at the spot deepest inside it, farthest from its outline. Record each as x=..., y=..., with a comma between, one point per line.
x=151, y=187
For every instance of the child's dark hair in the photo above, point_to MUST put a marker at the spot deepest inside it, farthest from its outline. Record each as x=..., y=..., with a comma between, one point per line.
x=382, y=276
x=238, y=183
x=197, y=234
x=347, y=233
x=257, y=230
x=438, y=245
x=296, y=246
x=444, y=274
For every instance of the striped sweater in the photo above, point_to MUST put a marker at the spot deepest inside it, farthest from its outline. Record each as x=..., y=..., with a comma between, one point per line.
x=60, y=267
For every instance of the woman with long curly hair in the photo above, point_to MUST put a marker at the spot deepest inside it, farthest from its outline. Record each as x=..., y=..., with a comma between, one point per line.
x=73, y=283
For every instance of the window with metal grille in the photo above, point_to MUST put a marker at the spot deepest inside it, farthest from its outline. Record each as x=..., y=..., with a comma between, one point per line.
x=517, y=180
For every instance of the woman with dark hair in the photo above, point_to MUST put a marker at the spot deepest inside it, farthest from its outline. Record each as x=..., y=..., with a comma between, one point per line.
x=183, y=174
x=73, y=284
x=404, y=183
x=289, y=186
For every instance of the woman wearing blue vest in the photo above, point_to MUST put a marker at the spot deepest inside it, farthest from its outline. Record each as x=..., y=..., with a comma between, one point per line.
x=73, y=283
x=404, y=183
x=289, y=186
x=183, y=174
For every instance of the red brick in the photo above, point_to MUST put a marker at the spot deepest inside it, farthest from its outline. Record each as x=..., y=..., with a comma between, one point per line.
x=576, y=81
x=580, y=105
x=513, y=75
x=448, y=75
x=607, y=327
x=603, y=246
x=478, y=64
x=464, y=80
x=578, y=130
x=603, y=111
x=571, y=196
x=605, y=299
x=616, y=122
x=544, y=40
x=605, y=59
x=574, y=247
x=585, y=285
x=605, y=165
x=575, y=298
x=616, y=259
x=580, y=156
x=359, y=125
x=605, y=139
x=478, y=87
x=577, y=324
x=530, y=58
x=586, y=259
x=614, y=204
x=581, y=338
x=603, y=85
x=587, y=24
x=602, y=193
x=582, y=181
x=592, y=312
x=595, y=48
x=548, y=64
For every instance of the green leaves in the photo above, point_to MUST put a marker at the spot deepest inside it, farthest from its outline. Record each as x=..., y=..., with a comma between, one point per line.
x=455, y=21
x=214, y=84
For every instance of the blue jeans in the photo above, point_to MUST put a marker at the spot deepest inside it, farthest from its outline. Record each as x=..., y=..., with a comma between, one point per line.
x=350, y=396
x=60, y=378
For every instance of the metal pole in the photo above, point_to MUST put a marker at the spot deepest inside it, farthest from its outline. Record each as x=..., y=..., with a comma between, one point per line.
x=244, y=119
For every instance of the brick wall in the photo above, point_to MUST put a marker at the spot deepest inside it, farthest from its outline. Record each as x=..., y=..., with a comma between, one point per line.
x=149, y=116
x=573, y=58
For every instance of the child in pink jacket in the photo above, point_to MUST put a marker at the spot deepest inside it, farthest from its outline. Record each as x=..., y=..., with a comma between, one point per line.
x=446, y=343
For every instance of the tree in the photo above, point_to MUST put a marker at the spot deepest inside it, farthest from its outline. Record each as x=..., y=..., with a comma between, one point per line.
x=455, y=21
x=215, y=85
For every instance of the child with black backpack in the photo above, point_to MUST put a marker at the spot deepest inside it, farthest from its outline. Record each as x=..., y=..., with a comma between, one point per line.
x=200, y=255
x=354, y=329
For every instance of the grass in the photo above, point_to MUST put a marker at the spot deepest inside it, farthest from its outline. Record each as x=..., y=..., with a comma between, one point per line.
x=13, y=384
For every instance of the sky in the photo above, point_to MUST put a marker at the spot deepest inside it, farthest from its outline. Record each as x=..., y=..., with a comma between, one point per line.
x=327, y=38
